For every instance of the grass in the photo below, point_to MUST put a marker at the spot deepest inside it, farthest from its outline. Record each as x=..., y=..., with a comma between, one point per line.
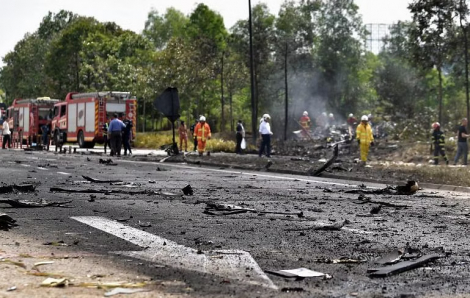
x=156, y=140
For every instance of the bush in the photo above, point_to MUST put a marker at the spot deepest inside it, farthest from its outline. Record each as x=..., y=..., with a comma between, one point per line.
x=156, y=140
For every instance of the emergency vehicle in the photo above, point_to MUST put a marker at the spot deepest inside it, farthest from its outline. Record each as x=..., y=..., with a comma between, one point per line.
x=27, y=116
x=82, y=116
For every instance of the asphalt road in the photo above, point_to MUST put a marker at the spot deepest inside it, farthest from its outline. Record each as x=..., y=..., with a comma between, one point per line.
x=150, y=227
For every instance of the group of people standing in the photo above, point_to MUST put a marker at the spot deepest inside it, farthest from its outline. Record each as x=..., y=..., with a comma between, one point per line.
x=201, y=132
x=438, y=143
x=117, y=134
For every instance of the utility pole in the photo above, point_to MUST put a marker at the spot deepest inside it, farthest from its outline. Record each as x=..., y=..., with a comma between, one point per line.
x=254, y=112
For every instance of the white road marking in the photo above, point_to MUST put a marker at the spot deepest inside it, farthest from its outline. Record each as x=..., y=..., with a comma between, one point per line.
x=64, y=173
x=231, y=264
x=248, y=173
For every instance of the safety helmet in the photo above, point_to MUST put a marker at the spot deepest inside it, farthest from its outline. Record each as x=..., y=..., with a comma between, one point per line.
x=324, y=113
x=370, y=115
x=364, y=118
x=266, y=116
x=351, y=115
x=202, y=118
x=305, y=113
x=331, y=115
x=436, y=125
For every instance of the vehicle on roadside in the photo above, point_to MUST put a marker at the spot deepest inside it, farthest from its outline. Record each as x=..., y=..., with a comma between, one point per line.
x=27, y=116
x=81, y=117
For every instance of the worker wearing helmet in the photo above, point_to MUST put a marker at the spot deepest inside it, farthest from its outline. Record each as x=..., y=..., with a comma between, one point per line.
x=462, y=146
x=322, y=120
x=203, y=133
x=265, y=135
x=305, y=124
x=352, y=122
x=438, y=141
x=364, y=136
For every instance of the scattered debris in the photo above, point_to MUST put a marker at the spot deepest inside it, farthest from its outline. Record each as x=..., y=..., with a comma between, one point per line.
x=36, y=265
x=11, y=289
x=118, y=291
x=402, y=266
x=99, y=180
x=145, y=224
x=326, y=165
x=409, y=189
x=56, y=243
x=376, y=209
x=342, y=260
x=365, y=200
x=19, y=188
x=55, y=282
x=228, y=209
x=108, y=162
x=152, y=181
x=34, y=204
x=390, y=258
x=288, y=290
x=300, y=272
x=19, y=264
x=188, y=190
x=7, y=222
x=334, y=227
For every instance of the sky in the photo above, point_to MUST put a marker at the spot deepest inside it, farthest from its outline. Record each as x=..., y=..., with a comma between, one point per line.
x=19, y=17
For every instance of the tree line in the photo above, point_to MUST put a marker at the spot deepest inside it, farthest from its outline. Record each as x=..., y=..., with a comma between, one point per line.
x=310, y=55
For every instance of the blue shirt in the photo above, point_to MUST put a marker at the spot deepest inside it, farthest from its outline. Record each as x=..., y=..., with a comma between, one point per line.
x=116, y=125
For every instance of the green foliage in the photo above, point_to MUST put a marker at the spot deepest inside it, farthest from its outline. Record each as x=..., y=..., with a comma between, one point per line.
x=160, y=29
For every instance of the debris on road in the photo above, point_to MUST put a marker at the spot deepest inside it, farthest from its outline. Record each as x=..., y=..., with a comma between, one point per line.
x=107, y=162
x=55, y=282
x=34, y=204
x=402, y=266
x=376, y=209
x=365, y=200
x=19, y=188
x=300, y=272
x=19, y=264
x=6, y=222
x=145, y=224
x=118, y=291
x=38, y=264
x=317, y=172
x=11, y=289
x=213, y=208
x=390, y=258
x=56, y=243
x=342, y=260
x=188, y=190
x=409, y=189
x=99, y=180
x=289, y=290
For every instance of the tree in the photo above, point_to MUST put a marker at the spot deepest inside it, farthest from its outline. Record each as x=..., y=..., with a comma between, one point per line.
x=338, y=55
x=293, y=38
x=159, y=29
x=263, y=36
x=432, y=19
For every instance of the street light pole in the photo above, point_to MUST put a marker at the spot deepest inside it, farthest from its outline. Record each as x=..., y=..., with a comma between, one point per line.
x=254, y=112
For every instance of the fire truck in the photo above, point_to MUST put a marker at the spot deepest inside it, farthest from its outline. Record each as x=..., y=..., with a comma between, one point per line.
x=82, y=116
x=27, y=116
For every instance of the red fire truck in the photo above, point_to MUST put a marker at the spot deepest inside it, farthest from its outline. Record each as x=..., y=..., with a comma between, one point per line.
x=82, y=116
x=27, y=116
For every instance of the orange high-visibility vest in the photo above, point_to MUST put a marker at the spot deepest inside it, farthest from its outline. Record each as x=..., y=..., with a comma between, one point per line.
x=305, y=122
x=202, y=131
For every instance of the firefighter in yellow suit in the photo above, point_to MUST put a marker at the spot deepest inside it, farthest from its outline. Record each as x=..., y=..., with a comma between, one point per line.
x=365, y=138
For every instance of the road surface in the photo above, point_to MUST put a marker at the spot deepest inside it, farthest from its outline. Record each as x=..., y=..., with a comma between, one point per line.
x=147, y=226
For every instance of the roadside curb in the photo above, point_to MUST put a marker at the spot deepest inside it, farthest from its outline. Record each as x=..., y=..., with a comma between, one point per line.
x=330, y=176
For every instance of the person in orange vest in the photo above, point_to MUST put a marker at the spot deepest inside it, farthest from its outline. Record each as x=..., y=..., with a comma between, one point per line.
x=305, y=123
x=365, y=138
x=203, y=133
x=183, y=134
